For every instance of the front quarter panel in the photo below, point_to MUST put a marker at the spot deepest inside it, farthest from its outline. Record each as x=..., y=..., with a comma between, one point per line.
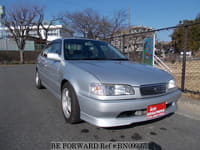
x=78, y=78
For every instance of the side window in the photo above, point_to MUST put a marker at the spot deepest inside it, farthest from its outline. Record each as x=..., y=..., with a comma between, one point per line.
x=56, y=47
x=46, y=50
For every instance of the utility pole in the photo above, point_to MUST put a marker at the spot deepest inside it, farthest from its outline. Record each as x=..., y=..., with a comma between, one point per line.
x=1, y=17
x=129, y=18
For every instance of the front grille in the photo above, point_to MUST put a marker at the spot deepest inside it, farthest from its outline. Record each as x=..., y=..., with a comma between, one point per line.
x=153, y=89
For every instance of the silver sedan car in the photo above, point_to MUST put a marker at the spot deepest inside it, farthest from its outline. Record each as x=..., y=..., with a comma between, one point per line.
x=98, y=84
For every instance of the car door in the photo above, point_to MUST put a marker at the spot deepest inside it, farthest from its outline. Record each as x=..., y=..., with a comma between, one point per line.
x=53, y=68
x=42, y=64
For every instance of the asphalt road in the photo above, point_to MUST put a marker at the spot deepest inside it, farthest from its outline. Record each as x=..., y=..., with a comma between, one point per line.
x=32, y=119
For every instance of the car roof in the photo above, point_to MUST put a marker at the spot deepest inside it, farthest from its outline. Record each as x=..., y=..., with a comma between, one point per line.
x=75, y=38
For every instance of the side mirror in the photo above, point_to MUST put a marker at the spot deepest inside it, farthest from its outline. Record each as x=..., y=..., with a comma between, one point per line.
x=53, y=56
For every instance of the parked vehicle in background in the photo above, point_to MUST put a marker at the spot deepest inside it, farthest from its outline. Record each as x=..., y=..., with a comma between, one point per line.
x=98, y=84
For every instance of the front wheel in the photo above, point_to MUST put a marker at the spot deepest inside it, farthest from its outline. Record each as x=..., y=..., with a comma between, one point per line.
x=70, y=104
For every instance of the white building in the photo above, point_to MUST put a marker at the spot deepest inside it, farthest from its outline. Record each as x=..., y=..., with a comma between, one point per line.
x=7, y=43
x=54, y=32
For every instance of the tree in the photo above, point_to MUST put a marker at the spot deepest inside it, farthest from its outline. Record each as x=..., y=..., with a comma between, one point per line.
x=105, y=28
x=83, y=23
x=193, y=35
x=118, y=21
x=41, y=24
x=197, y=17
x=19, y=20
x=90, y=24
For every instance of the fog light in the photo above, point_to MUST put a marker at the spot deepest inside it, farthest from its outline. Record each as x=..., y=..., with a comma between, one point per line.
x=140, y=113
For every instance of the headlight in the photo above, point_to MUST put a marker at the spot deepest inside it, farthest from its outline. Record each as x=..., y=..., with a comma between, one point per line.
x=171, y=84
x=111, y=89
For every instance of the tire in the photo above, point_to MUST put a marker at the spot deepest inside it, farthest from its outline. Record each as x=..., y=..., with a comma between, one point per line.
x=69, y=102
x=38, y=82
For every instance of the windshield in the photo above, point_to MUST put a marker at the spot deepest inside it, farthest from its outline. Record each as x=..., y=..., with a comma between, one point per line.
x=77, y=49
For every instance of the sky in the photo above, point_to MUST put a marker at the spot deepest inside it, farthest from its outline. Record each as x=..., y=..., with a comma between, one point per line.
x=151, y=13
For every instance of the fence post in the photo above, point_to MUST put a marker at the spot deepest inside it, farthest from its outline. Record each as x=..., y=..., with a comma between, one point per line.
x=184, y=58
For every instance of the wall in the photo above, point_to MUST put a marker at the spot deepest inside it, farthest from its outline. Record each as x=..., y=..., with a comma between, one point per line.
x=13, y=56
x=10, y=44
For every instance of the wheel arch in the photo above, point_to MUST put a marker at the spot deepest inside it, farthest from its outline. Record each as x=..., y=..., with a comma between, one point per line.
x=62, y=83
x=71, y=82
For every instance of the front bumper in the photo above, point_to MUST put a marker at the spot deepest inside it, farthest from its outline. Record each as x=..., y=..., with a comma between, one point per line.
x=106, y=113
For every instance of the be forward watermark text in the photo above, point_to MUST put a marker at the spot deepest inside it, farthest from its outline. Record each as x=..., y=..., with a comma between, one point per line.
x=99, y=145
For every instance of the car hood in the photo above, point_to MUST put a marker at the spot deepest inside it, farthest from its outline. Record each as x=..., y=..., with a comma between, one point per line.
x=123, y=72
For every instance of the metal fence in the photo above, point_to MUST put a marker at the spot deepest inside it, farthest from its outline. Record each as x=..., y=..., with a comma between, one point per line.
x=185, y=68
x=192, y=75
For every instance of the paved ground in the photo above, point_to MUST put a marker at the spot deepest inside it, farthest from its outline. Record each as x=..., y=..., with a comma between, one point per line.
x=31, y=119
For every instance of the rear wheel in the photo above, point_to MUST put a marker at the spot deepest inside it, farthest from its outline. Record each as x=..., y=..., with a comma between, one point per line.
x=70, y=104
x=38, y=82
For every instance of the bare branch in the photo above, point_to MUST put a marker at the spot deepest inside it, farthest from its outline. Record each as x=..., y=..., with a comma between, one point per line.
x=119, y=20
x=42, y=25
x=19, y=21
x=90, y=24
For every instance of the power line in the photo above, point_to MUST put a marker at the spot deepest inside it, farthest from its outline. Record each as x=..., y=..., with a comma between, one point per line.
x=161, y=29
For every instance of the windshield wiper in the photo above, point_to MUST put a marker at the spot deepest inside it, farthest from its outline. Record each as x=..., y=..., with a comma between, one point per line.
x=121, y=59
x=87, y=59
x=94, y=59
